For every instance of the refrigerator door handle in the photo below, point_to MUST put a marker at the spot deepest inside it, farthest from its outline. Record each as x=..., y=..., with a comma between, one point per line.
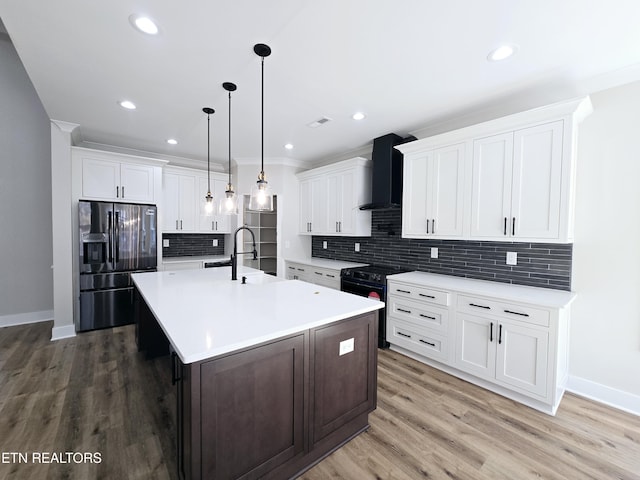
x=110, y=236
x=117, y=237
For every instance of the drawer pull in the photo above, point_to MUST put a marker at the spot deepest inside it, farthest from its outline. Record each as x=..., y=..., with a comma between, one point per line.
x=428, y=343
x=403, y=291
x=517, y=313
x=318, y=273
x=403, y=334
x=331, y=276
x=480, y=306
x=404, y=311
x=292, y=268
x=301, y=269
x=427, y=316
x=425, y=295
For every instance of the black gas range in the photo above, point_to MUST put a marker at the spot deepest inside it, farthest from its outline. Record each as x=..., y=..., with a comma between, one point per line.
x=371, y=281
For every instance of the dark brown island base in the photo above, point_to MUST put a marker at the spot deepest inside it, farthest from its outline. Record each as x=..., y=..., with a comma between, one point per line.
x=274, y=409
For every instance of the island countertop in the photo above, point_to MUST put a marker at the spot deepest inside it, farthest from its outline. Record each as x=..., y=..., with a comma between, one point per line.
x=204, y=314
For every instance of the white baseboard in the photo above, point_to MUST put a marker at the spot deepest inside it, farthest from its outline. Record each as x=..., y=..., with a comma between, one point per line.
x=615, y=398
x=24, y=318
x=65, y=331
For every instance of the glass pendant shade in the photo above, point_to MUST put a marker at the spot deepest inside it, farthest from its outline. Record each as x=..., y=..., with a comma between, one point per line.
x=261, y=199
x=228, y=204
x=208, y=204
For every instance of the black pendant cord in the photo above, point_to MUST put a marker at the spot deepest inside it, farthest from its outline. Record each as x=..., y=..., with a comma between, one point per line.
x=229, y=138
x=208, y=156
x=262, y=121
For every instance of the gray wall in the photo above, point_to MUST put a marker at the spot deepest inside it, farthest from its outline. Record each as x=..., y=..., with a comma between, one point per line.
x=26, y=284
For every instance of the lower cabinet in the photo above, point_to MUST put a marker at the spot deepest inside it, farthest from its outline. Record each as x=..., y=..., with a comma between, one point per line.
x=514, y=348
x=326, y=277
x=273, y=410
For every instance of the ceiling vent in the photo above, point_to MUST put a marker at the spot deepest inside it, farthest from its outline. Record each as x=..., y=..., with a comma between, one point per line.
x=318, y=122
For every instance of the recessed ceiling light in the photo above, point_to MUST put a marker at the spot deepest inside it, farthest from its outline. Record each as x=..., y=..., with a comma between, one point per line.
x=502, y=52
x=144, y=24
x=128, y=105
x=172, y=141
x=358, y=116
x=288, y=146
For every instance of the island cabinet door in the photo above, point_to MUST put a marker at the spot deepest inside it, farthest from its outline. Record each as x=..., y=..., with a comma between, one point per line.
x=252, y=410
x=343, y=375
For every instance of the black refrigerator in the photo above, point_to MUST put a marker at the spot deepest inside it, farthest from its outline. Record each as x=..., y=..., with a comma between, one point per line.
x=116, y=240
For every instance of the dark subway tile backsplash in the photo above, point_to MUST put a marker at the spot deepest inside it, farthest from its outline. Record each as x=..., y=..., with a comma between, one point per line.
x=545, y=265
x=192, y=244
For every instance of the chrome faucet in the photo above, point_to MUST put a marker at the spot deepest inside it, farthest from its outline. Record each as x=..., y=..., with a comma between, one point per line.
x=234, y=255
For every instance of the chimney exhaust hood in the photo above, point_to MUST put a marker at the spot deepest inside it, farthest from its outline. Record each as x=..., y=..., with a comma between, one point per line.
x=386, y=181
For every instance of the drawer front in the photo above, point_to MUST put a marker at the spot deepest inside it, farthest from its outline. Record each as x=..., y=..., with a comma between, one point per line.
x=418, y=313
x=513, y=311
x=413, y=339
x=424, y=294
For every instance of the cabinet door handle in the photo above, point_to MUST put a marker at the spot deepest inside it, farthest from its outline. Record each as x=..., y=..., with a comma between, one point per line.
x=336, y=227
x=175, y=369
x=427, y=226
x=340, y=227
x=517, y=313
x=403, y=291
x=505, y=225
x=117, y=191
x=427, y=316
x=404, y=311
x=433, y=225
x=480, y=306
x=428, y=343
x=425, y=295
x=513, y=226
x=180, y=224
x=123, y=191
x=216, y=225
x=491, y=332
x=500, y=334
x=176, y=224
x=403, y=334
x=212, y=225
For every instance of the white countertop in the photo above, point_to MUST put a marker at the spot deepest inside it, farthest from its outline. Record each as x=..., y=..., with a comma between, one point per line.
x=204, y=314
x=200, y=258
x=325, y=263
x=518, y=293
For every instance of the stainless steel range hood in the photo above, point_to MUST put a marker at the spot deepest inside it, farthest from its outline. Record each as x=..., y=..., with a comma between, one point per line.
x=386, y=188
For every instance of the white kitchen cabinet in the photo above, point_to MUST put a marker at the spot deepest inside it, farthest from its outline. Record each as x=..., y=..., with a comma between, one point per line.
x=510, y=339
x=433, y=194
x=326, y=277
x=212, y=222
x=313, y=206
x=116, y=180
x=516, y=184
x=330, y=197
x=179, y=202
x=508, y=179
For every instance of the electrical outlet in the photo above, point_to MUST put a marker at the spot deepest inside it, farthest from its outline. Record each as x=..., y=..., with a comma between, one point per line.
x=165, y=242
x=434, y=252
x=512, y=258
x=214, y=242
x=324, y=244
x=346, y=346
x=357, y=247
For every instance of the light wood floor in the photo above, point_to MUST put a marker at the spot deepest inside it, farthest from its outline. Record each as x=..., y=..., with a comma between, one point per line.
x=96, y=393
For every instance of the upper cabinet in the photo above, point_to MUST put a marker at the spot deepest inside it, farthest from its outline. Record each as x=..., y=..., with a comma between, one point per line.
x=114, y=177
x=183, y=206
x=510, y=179
x=433, y=193
x=330, y=198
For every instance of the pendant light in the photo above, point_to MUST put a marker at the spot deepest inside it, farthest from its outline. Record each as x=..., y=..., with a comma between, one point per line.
x=208, y=206
x=228, y=205
x=261, y=196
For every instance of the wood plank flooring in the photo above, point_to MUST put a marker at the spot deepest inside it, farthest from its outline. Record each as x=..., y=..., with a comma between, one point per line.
x=96, y=393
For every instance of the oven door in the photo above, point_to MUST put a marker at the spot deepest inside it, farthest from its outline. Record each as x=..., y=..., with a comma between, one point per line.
x=379, y=292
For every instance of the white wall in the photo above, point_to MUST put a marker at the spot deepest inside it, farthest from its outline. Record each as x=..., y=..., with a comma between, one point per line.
x=26, y=285
x=284, y=183
x=605, y=332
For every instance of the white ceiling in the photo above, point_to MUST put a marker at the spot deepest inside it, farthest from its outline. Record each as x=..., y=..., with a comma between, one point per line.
x=406, y=64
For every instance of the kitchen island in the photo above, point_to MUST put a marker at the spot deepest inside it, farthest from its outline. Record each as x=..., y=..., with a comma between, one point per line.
x=272, y=375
